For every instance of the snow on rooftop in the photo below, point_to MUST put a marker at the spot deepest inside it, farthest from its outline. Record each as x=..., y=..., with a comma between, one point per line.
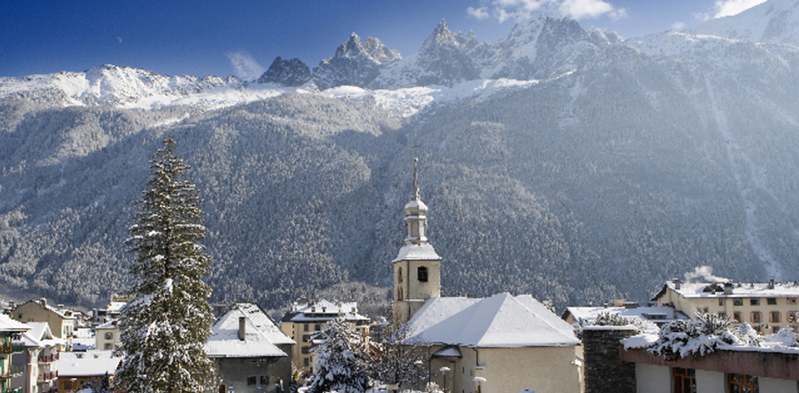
x=742, y=289
x=84, y=364
x=642, y=313
x=39, y=335
x=325, y=310
x=261, y=335
x=414, y=252
x=9, y=325
x=498, y=321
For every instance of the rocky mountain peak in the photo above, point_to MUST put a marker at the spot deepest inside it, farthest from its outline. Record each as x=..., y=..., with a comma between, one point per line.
x=286, y=72
x=441, y=35
x=380, y=53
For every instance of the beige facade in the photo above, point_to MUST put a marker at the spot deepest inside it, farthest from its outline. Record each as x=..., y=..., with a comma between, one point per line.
x=543, y=369
x=62, y=322
x=107, y=336
x=768, y=307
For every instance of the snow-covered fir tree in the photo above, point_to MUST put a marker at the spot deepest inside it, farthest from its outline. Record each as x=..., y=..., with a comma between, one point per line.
x=165, y=326
x=395, y=360
x=340, y=364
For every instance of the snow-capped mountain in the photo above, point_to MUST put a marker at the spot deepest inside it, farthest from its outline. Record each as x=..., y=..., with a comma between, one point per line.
x=775, y=22
x=567, y=163
x=287, y=73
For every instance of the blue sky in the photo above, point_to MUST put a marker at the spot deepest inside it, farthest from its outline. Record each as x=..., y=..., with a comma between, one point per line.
x=243, y=37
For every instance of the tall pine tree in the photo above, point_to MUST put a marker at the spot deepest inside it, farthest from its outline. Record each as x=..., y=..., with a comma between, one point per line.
x=165, y=326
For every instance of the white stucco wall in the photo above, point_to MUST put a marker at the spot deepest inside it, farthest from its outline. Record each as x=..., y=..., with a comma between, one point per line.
x=710, y=381
x=544, y=369
x=650, y=378
x=773, y=385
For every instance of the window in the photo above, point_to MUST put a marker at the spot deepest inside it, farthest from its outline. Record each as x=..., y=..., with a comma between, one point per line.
x=108, y=346
x=722, y=314
x=754, y=302
x=421, y=274
x=756, y=317
x=67, y=385
x=305, y=350
x=721, y=301
x=305, y=362
x=740, y=383
x=251, y=380
x=790, y=300
x=264, y=380
x=775, y=329
x=306, y=338
x=316, y=327
x=774, y=316
x=684, y=380
x=737, y=302
x=737, y=316
x=771, y=301
x=399, y=294
x=305, y=327
x=399, y=274
x=109, y=335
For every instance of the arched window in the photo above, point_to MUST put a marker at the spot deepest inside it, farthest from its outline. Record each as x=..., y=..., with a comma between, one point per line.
x=421, y=274
x=399, y=274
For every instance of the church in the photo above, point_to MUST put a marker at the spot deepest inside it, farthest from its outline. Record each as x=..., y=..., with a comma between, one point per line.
x=502, y=343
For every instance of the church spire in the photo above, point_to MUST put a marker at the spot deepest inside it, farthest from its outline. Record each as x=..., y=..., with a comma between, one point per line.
x=416, y=213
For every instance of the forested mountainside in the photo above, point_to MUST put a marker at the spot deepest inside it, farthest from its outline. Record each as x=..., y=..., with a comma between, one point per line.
x=644, y=159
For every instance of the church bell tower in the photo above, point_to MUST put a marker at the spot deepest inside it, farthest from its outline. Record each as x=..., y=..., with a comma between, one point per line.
x=417, y=267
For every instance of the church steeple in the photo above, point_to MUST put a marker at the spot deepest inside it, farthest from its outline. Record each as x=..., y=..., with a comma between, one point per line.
x=417, y=267
x=416, y=213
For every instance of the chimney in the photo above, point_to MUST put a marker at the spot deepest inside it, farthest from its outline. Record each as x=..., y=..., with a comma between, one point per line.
x=728, y=288
x=771, y=284
x=676, y=283
x=43, y=302
x=242, y=328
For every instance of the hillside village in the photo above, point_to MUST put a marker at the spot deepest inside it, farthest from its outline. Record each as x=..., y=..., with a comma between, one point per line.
x=693, y=337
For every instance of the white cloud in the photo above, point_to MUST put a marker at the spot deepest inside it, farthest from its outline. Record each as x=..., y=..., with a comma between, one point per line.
x=245, y=66
x=478, y=13
x=677, y=26
x=503, y=10
x=734, y=7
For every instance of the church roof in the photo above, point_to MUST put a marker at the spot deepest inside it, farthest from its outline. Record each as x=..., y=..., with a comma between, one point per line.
x=500, y=321
x=417, y=252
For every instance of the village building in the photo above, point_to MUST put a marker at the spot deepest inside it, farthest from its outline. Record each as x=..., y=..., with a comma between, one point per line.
x=656, y=314
x=78, y=368
x=252, y=354
x=10, y=330
x=502, y=343
x=767, y=306
x=40, y=357
x=306, y=318
x=62, y=321
x=107, y=335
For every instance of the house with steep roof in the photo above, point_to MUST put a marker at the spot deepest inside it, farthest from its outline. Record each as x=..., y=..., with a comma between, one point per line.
x=107, y=336
x=40, y=357
x=252, y=354
x=502, y=343
x=767, y=306
x=62, y=321
x=306, y=318
x=10, y=330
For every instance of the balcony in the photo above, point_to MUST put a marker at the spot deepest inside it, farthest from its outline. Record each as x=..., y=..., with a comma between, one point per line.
x=13, y=371
x=48, y=358
x=46, y=377
x=11, y=348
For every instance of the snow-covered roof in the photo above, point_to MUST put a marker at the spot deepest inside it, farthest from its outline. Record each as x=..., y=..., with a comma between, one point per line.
x=261, y=335
x=414, y=252
x=84, y=364
x=39, y=335
x=115, y=307
x=9, y=325
x=741, y=289
x=653, y=314
x=499, y=321
x=325, y=310
x=415, y=204
x=113, y=325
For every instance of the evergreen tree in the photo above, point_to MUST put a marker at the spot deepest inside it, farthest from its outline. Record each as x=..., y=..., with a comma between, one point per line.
x=339, y=360
x=397, y=359
x=165, y=326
